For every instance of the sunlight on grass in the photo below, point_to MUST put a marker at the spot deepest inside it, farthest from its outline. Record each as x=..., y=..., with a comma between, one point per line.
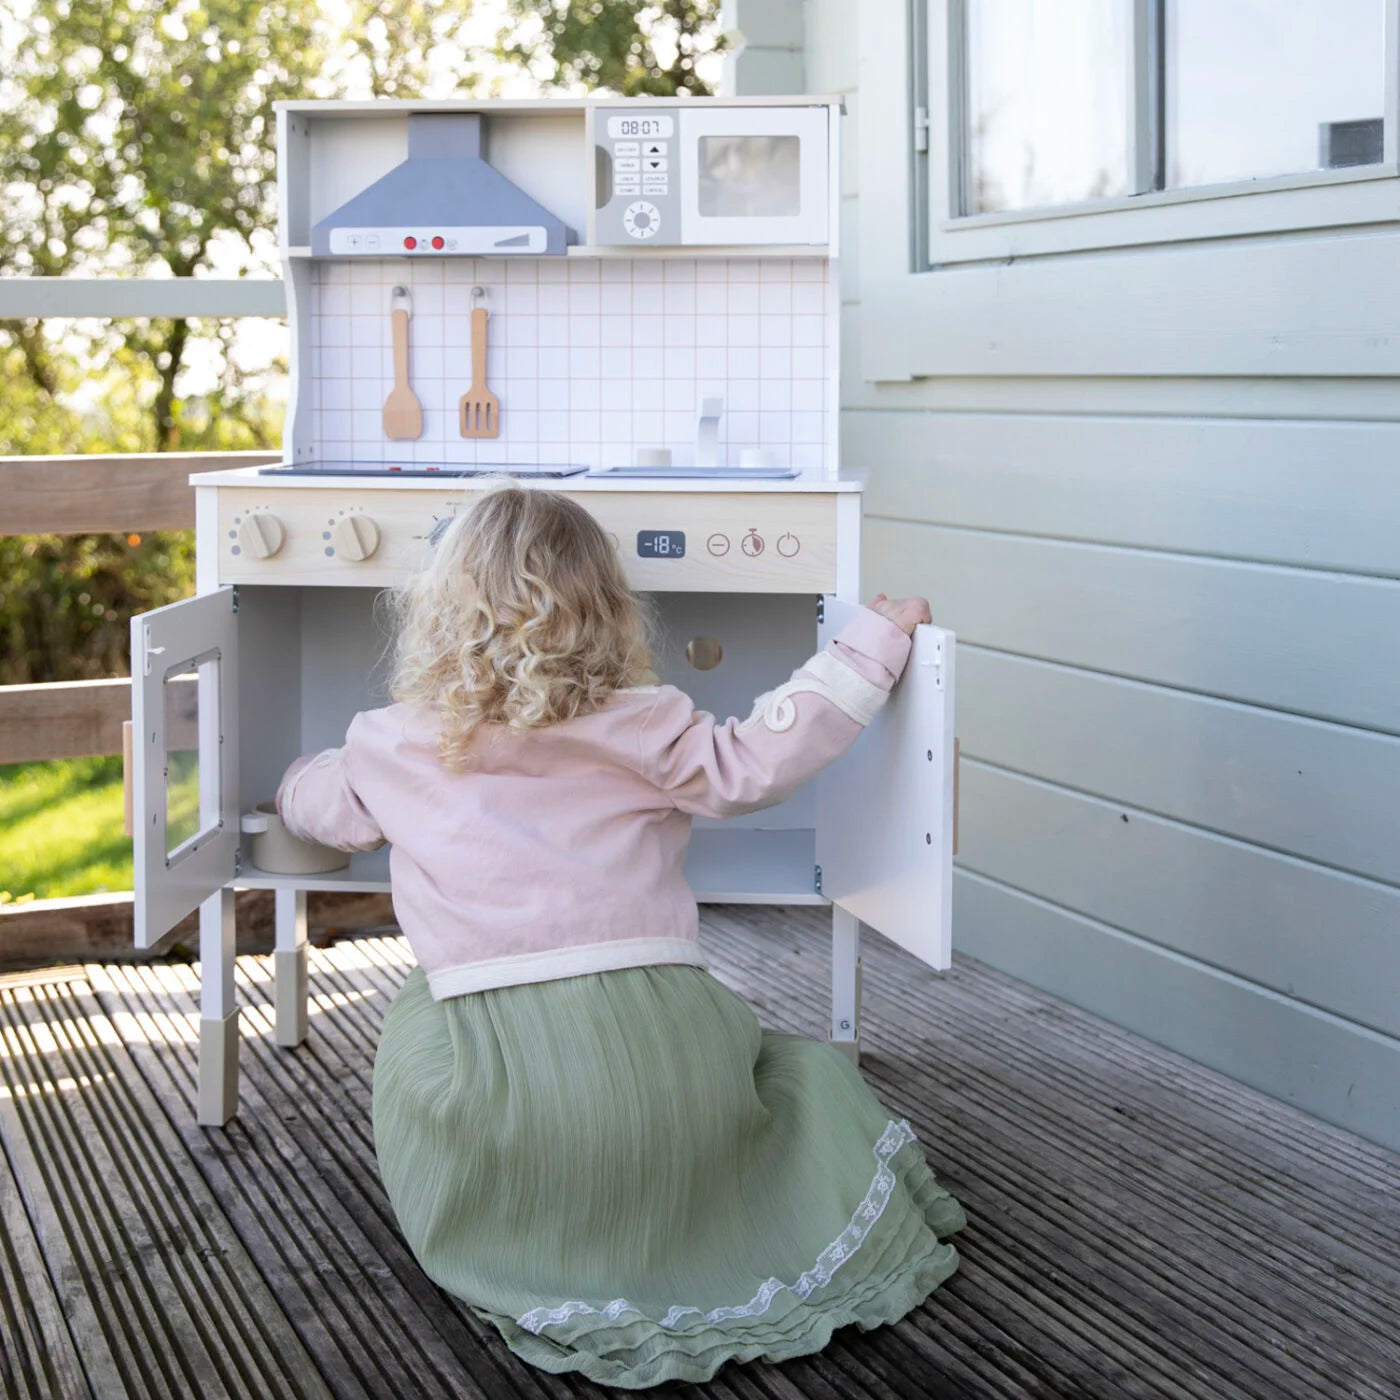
x=61, y=828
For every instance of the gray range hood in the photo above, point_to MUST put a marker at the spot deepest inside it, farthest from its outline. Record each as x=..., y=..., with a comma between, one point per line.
x=443, y=200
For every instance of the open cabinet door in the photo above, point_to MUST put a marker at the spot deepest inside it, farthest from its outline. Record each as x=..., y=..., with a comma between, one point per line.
x=184, y=682
x=885, y=809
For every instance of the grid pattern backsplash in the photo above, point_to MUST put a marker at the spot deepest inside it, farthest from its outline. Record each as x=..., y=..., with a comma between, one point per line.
x=591, y=359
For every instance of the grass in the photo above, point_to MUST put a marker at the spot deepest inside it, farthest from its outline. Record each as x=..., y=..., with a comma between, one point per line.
x=61, y=829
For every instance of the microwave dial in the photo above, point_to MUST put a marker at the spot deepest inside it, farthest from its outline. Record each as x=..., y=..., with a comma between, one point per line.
x=641, y=220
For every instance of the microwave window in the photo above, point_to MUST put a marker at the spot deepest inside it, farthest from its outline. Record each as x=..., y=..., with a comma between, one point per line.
x=749, y=177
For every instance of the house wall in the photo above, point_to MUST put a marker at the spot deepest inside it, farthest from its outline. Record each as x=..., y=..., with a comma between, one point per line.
x=1177, y=595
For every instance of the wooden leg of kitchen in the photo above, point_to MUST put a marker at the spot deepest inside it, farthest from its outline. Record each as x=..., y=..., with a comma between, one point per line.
x=289, y=967
x=845, y=983
x=218, y=1016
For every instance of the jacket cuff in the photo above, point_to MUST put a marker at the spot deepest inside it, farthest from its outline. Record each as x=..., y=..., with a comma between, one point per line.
x=877, y=637
x=294, y=769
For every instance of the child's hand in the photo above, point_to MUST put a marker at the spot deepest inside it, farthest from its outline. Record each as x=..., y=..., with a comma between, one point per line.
x=905, y=613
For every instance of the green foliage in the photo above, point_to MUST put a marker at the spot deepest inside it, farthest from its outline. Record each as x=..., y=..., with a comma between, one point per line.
x=66, y=601
x=140, y=137
x=63, y=829
x=630, y=47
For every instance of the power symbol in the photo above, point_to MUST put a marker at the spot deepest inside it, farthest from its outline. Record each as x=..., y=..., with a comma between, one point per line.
x=788, y=545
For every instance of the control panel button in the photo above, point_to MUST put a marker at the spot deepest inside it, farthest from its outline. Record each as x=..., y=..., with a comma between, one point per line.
x=632, y=163
x=626, y=187
x=355, y=537
x=410, y=242
x=654, y=165
x=752, y=544
x=788, y=545
x=260, y=534
x=653, y=148
x=626, y=148
x=718, y=545
x=641, y=220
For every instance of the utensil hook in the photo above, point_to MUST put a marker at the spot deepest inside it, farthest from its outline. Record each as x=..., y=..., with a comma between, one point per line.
x=478, y=296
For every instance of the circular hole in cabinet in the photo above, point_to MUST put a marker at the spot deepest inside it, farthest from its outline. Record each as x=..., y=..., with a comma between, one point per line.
x=704, y=653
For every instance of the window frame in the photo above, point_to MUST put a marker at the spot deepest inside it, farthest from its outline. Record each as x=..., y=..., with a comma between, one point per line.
x=1271, y=204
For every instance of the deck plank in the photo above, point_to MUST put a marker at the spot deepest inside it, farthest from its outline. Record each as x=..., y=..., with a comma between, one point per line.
x=1139, y=1226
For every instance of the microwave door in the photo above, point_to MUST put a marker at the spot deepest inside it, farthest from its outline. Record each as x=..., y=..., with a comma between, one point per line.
x=754, y=175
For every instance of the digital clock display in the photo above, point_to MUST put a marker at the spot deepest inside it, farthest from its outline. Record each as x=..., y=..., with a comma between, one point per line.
x=633, y=127
x=660, y=544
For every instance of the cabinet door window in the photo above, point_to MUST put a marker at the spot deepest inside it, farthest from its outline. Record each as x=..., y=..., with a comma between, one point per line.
x=190, y=699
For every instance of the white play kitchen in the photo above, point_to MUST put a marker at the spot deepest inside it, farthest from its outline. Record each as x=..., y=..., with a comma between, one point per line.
x=634, y=301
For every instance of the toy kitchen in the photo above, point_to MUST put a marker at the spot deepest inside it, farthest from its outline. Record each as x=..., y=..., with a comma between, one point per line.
x=634, y=301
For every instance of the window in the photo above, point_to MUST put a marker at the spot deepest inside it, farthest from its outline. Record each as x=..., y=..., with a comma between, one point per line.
x=189, y=696
x=1080, y=110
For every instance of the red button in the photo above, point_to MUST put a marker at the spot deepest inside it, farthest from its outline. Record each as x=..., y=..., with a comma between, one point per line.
x=437, y=242
x=410, y=242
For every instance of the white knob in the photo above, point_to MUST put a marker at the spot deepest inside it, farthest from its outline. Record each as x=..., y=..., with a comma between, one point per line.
x=260, y=534
x=355, y=537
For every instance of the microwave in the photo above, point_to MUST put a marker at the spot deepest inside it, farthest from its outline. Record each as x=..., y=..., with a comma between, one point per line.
x=711, y=176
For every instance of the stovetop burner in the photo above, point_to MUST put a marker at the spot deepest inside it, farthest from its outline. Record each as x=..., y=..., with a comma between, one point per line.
x=450, y=469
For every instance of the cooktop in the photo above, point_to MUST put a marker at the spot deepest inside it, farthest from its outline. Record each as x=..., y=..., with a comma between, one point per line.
x=421, y=469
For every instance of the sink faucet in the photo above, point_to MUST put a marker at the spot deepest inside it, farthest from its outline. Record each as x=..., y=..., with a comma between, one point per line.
x=707, y=432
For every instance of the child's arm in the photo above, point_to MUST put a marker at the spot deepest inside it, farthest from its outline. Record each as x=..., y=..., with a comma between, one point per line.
x=317, y=801
x=719, y=770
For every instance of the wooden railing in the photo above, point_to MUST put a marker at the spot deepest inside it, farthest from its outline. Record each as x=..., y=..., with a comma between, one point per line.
x=73, y=719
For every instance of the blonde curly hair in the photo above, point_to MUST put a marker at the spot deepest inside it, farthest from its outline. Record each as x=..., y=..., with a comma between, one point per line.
x=521, y=617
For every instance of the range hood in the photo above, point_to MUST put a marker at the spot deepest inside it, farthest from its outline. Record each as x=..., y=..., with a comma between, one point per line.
x=443, y=200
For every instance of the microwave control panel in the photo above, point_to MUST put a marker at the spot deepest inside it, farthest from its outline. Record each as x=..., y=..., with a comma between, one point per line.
x=637, y=158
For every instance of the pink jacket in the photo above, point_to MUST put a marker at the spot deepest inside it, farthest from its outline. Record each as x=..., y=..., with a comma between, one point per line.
x=561, y=851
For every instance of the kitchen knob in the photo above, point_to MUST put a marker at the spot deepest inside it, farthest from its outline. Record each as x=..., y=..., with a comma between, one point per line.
x=260, y=534
x=355, y=537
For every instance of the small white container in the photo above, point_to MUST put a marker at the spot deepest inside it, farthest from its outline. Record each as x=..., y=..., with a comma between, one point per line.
x=278, y=852
x=756, y=459
x=653, y=457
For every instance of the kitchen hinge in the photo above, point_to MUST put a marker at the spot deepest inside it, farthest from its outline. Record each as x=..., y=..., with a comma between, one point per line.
x=821, y=608
x=817, y=878
x=920, y=129
x=237, y=861
x=935, y=662
x=234, y=598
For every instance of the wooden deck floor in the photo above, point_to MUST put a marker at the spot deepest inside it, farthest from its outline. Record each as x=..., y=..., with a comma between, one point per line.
x=1138, y=1226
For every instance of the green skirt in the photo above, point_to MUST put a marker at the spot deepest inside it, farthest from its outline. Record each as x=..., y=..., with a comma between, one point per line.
x=631, y=1180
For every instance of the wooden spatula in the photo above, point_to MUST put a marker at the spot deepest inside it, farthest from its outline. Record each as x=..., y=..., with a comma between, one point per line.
x=480, y=408
x=403, y=414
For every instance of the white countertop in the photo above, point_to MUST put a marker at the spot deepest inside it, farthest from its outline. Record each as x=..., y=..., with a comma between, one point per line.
x=249, y=476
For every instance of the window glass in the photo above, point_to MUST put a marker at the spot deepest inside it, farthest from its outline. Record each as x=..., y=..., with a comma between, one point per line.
x=1049, y=102
x=1258, y=88
x=750, y=177
x=191, y=788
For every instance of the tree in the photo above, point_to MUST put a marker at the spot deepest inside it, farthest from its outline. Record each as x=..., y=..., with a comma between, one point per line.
x=138, y=137
x=629, y=47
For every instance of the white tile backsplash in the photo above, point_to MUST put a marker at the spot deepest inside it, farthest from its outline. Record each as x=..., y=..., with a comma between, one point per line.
x=591, y=359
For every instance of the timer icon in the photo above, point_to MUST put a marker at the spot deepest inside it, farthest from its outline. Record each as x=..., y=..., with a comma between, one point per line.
x=752, y=544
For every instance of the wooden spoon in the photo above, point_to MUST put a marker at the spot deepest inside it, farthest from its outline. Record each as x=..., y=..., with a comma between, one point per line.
x=480, y=408
x=403, y=414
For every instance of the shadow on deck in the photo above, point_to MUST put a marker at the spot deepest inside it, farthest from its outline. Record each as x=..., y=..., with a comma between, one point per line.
x=1139, y=1226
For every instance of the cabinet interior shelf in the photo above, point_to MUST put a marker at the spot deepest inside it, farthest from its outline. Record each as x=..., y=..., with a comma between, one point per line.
x=724, y=866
